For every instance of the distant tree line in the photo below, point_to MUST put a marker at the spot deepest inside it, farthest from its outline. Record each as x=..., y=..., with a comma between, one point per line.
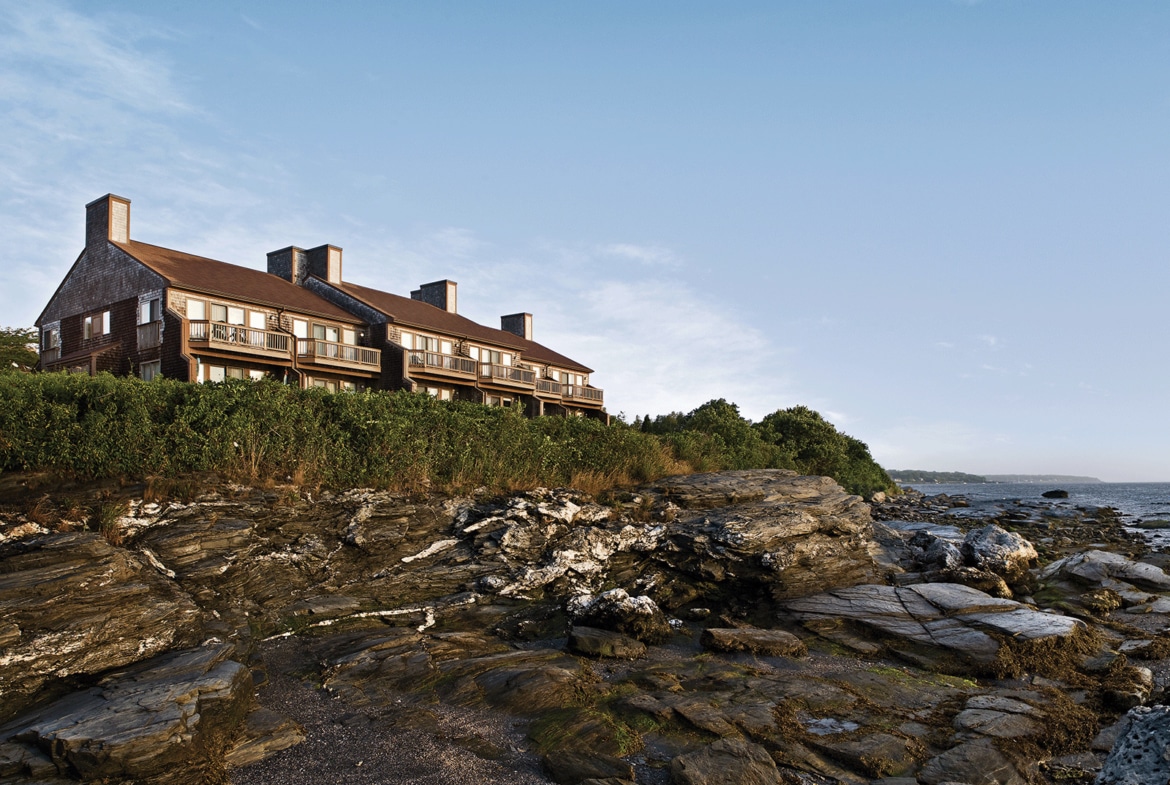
x=924, y=477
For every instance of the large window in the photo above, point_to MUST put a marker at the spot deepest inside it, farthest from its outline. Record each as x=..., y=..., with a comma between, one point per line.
x=323, y=332
x=197, y=310
x=258, y=320
x=219, y=313
x=149, y=371
x=149, y=311
x=300, y=328
x=52, y=337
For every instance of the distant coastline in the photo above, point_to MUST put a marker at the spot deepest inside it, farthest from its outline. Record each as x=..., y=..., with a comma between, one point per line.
x=922, y=477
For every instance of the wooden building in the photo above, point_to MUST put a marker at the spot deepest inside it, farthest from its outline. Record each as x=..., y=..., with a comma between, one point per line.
x=129, y=307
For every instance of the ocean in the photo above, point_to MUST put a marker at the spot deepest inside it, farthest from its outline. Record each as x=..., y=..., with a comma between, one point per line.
x=1136, y=501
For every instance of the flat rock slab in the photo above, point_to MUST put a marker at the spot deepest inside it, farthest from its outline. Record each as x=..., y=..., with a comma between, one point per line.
x=726, y=762
x=165, y=720
x=770, y=643
x=951, y=617
x=572, y=768
x=1100, y=568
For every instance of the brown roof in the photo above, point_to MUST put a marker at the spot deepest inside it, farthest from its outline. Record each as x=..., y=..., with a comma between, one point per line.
x=209, y=276
x=415, y=313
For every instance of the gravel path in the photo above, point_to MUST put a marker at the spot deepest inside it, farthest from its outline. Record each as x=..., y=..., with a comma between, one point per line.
x=404, y=745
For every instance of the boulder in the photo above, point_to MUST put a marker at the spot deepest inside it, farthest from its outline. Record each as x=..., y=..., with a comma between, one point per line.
x=616, y=610
x=572, y=767
x=1055, y=494
x=1102, y=568
x=726, y=762
x=973, y=763
x=770, y=643
x=995, y=550
x=1141, y=754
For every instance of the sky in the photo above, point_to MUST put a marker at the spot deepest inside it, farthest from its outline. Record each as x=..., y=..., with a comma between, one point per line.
x=940, y=223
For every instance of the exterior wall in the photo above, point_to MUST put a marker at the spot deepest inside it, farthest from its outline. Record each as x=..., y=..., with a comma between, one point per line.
x=103, y=274
x=393, y=375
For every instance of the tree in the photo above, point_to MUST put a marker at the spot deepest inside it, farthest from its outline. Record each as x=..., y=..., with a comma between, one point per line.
x=16, y=348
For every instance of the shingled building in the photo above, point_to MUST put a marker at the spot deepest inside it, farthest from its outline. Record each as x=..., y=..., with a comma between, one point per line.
x=132, y=308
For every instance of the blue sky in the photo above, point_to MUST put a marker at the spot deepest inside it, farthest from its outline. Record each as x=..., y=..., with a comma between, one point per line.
x=942, y=224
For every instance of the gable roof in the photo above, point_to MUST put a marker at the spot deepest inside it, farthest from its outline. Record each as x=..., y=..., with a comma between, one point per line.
x=415, y=313
x=209, y=276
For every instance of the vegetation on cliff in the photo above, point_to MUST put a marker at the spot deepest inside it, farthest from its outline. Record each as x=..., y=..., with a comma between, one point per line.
x=921, y=476
x=104, y=426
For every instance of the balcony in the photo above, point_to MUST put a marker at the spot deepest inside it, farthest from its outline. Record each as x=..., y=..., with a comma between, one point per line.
x=149, y=335
x=443, y=364
x=235, y=338
x=583, y=394
x=548, y=387
x=50, y=356
x=339, y=355
x=508, y=375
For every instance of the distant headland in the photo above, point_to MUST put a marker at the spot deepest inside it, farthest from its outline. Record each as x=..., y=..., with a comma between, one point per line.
x=924, y=477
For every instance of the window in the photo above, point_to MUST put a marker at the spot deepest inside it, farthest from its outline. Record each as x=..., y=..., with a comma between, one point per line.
x=148, y=311
x=349, y=337
x=235, y=315
x=87, y=328
x=496, y=358
x=196, y=309
x=554, y=374
x=473, y=352
x=216, y=373
x=323, y=332
x=258, y=320
x=149, y=371
x=328, y=384
x=106, y=322
x=235, y=373
x=407, y=340
x=300, y=328
x=425, y=343
x=445, y=347
x=219, y=312
x=53, y=338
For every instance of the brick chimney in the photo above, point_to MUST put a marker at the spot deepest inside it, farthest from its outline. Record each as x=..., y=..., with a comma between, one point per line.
x=440, y=294
x=107, y=219
x=517, y=324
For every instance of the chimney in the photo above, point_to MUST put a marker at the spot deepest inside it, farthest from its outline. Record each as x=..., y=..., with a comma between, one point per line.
x=517, y=324
x=289, y=264
x=440, y=294
x=325, y=262
x=107, y=219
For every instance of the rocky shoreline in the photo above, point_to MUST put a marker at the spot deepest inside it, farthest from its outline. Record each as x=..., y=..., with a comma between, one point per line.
x=744, y=627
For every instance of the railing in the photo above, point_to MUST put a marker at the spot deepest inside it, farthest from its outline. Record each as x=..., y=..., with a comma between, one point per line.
x=333, y=353
x=442, y=363
x=149, y=335
x=548, y=386
x=50, y=355
x=237, y=337
x=507, y=374
x=583, y=393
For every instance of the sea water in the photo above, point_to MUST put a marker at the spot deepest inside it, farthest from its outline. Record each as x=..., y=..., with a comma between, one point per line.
x=1136, y=501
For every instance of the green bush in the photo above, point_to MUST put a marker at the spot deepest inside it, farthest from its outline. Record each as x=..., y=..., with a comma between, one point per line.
x=105, y=427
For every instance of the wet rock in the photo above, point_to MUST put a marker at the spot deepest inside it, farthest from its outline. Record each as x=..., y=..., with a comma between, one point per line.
x=73, y=605
x=166, y=720
x=1139, y=756
x=726, y=762
x=874, y=754
x=1055, y=494
x=616, y=610
x=770, y=643
x=593, y=642
x=1102, y=568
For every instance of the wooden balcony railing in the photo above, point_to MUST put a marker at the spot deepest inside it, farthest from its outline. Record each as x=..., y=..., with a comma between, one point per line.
x=237, y=338
x=149, y=335
x=548, y=387
x=578, y=392
x=507, y=374
x=434, y=362
x=340, y=354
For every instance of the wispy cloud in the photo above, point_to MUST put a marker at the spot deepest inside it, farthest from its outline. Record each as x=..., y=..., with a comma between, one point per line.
x=989, y=340
x=652, y=255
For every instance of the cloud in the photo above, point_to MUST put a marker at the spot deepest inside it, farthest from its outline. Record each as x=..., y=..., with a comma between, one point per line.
x=651, y=255
x=990, y=340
